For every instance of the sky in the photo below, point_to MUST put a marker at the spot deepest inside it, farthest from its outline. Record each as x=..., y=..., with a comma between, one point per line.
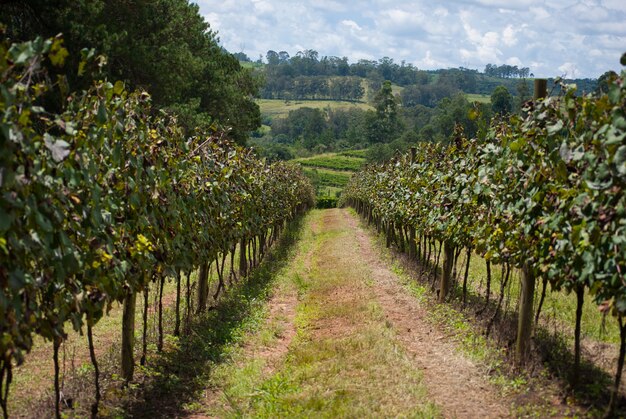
x=575, y=39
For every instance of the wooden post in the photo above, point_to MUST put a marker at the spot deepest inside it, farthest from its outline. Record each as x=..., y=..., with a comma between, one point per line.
x=413, y=154
x=527, y=292
x=448, y=261
x=203, y=287
x=525, y=319
x=541, y=89
x=412, y=243
x=128, y=335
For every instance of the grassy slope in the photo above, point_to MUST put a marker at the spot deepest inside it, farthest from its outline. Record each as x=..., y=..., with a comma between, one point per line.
x=472, y=97
x=326, y=177
x=331, y=171
x=279, y=108
x=333, y=161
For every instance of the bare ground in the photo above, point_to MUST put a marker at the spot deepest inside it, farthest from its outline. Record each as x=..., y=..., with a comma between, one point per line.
x=454, y=382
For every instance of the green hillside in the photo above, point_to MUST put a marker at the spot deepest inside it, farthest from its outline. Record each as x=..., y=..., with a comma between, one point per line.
x=333, y=161
x=331, y=172
x=475, y=97
x=279, y=108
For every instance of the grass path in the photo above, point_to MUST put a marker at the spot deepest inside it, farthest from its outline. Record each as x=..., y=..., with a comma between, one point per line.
x=344, y=338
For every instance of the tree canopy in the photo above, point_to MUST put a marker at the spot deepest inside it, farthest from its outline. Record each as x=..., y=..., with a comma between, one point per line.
x=501, y=100
x=163, y=46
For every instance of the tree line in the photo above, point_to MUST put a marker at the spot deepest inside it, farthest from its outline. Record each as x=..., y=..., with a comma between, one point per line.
x=314, y=88
x=507, y=71
x=393, y=124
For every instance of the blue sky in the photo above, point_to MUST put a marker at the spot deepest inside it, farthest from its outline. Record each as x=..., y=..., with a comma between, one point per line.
x=552, y=38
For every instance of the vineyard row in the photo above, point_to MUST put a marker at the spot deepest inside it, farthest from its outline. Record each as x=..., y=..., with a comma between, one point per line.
x=102, y=194
x=543, y=192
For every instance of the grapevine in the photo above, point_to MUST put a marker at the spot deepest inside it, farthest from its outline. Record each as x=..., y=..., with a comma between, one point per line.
x=104, y=194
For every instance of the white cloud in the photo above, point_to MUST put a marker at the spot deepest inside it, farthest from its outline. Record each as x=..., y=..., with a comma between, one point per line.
x=509, y=36
x=428, y=62
x=441, y=12
x=515, y=61
x=540, y=13
x=618, y=5
x=351, y=24
x=569, y=70
x=582, y=36
x=263, y=7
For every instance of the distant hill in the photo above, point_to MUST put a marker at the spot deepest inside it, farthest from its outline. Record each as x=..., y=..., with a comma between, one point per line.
x=280, y=108
x=315, y=105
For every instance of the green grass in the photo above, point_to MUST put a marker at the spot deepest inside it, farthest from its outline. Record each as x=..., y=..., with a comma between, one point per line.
x=469, y=335
x=31, y=391
x=264, y=129
x=328, y=191
x=279, y=108
x=396, y=90
x=179, y=377
x=473, y=97
x=333, y=161
x=250, y=64
x=559, y=307
x=354, y=153
x=356, y=369
x=326, y=177
x=555, y=333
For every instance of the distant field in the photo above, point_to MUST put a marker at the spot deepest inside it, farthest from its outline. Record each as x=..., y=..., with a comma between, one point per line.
x=354, y=153
x=280, y=108
x=333, y=161
x=331, y=172
x=472, y=97
x=248, y=64
x=328, y=191
x=395, y=89
x=328, y=177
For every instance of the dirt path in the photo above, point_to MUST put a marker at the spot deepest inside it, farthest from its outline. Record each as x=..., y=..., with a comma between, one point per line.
x=359, y=345
x=454, y=382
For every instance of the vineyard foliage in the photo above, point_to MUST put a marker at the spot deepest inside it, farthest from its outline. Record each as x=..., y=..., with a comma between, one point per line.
x=544, y=192
x=108, y=194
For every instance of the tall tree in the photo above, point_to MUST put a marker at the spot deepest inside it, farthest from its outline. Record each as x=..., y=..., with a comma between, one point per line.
x=604, y=80
x=384, y=124
x=501, y=100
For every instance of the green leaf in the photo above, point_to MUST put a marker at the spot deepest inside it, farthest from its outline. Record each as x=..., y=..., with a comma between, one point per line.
x=555, y=128
x=21, y=53
x=620, y=304
x=102, y=113
x=5, y=220
x=614, y=94
x=118, y=88
x=59, y=148
x=43, y=222
x=81, y=68
x=620, y=160
x=58, y=53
